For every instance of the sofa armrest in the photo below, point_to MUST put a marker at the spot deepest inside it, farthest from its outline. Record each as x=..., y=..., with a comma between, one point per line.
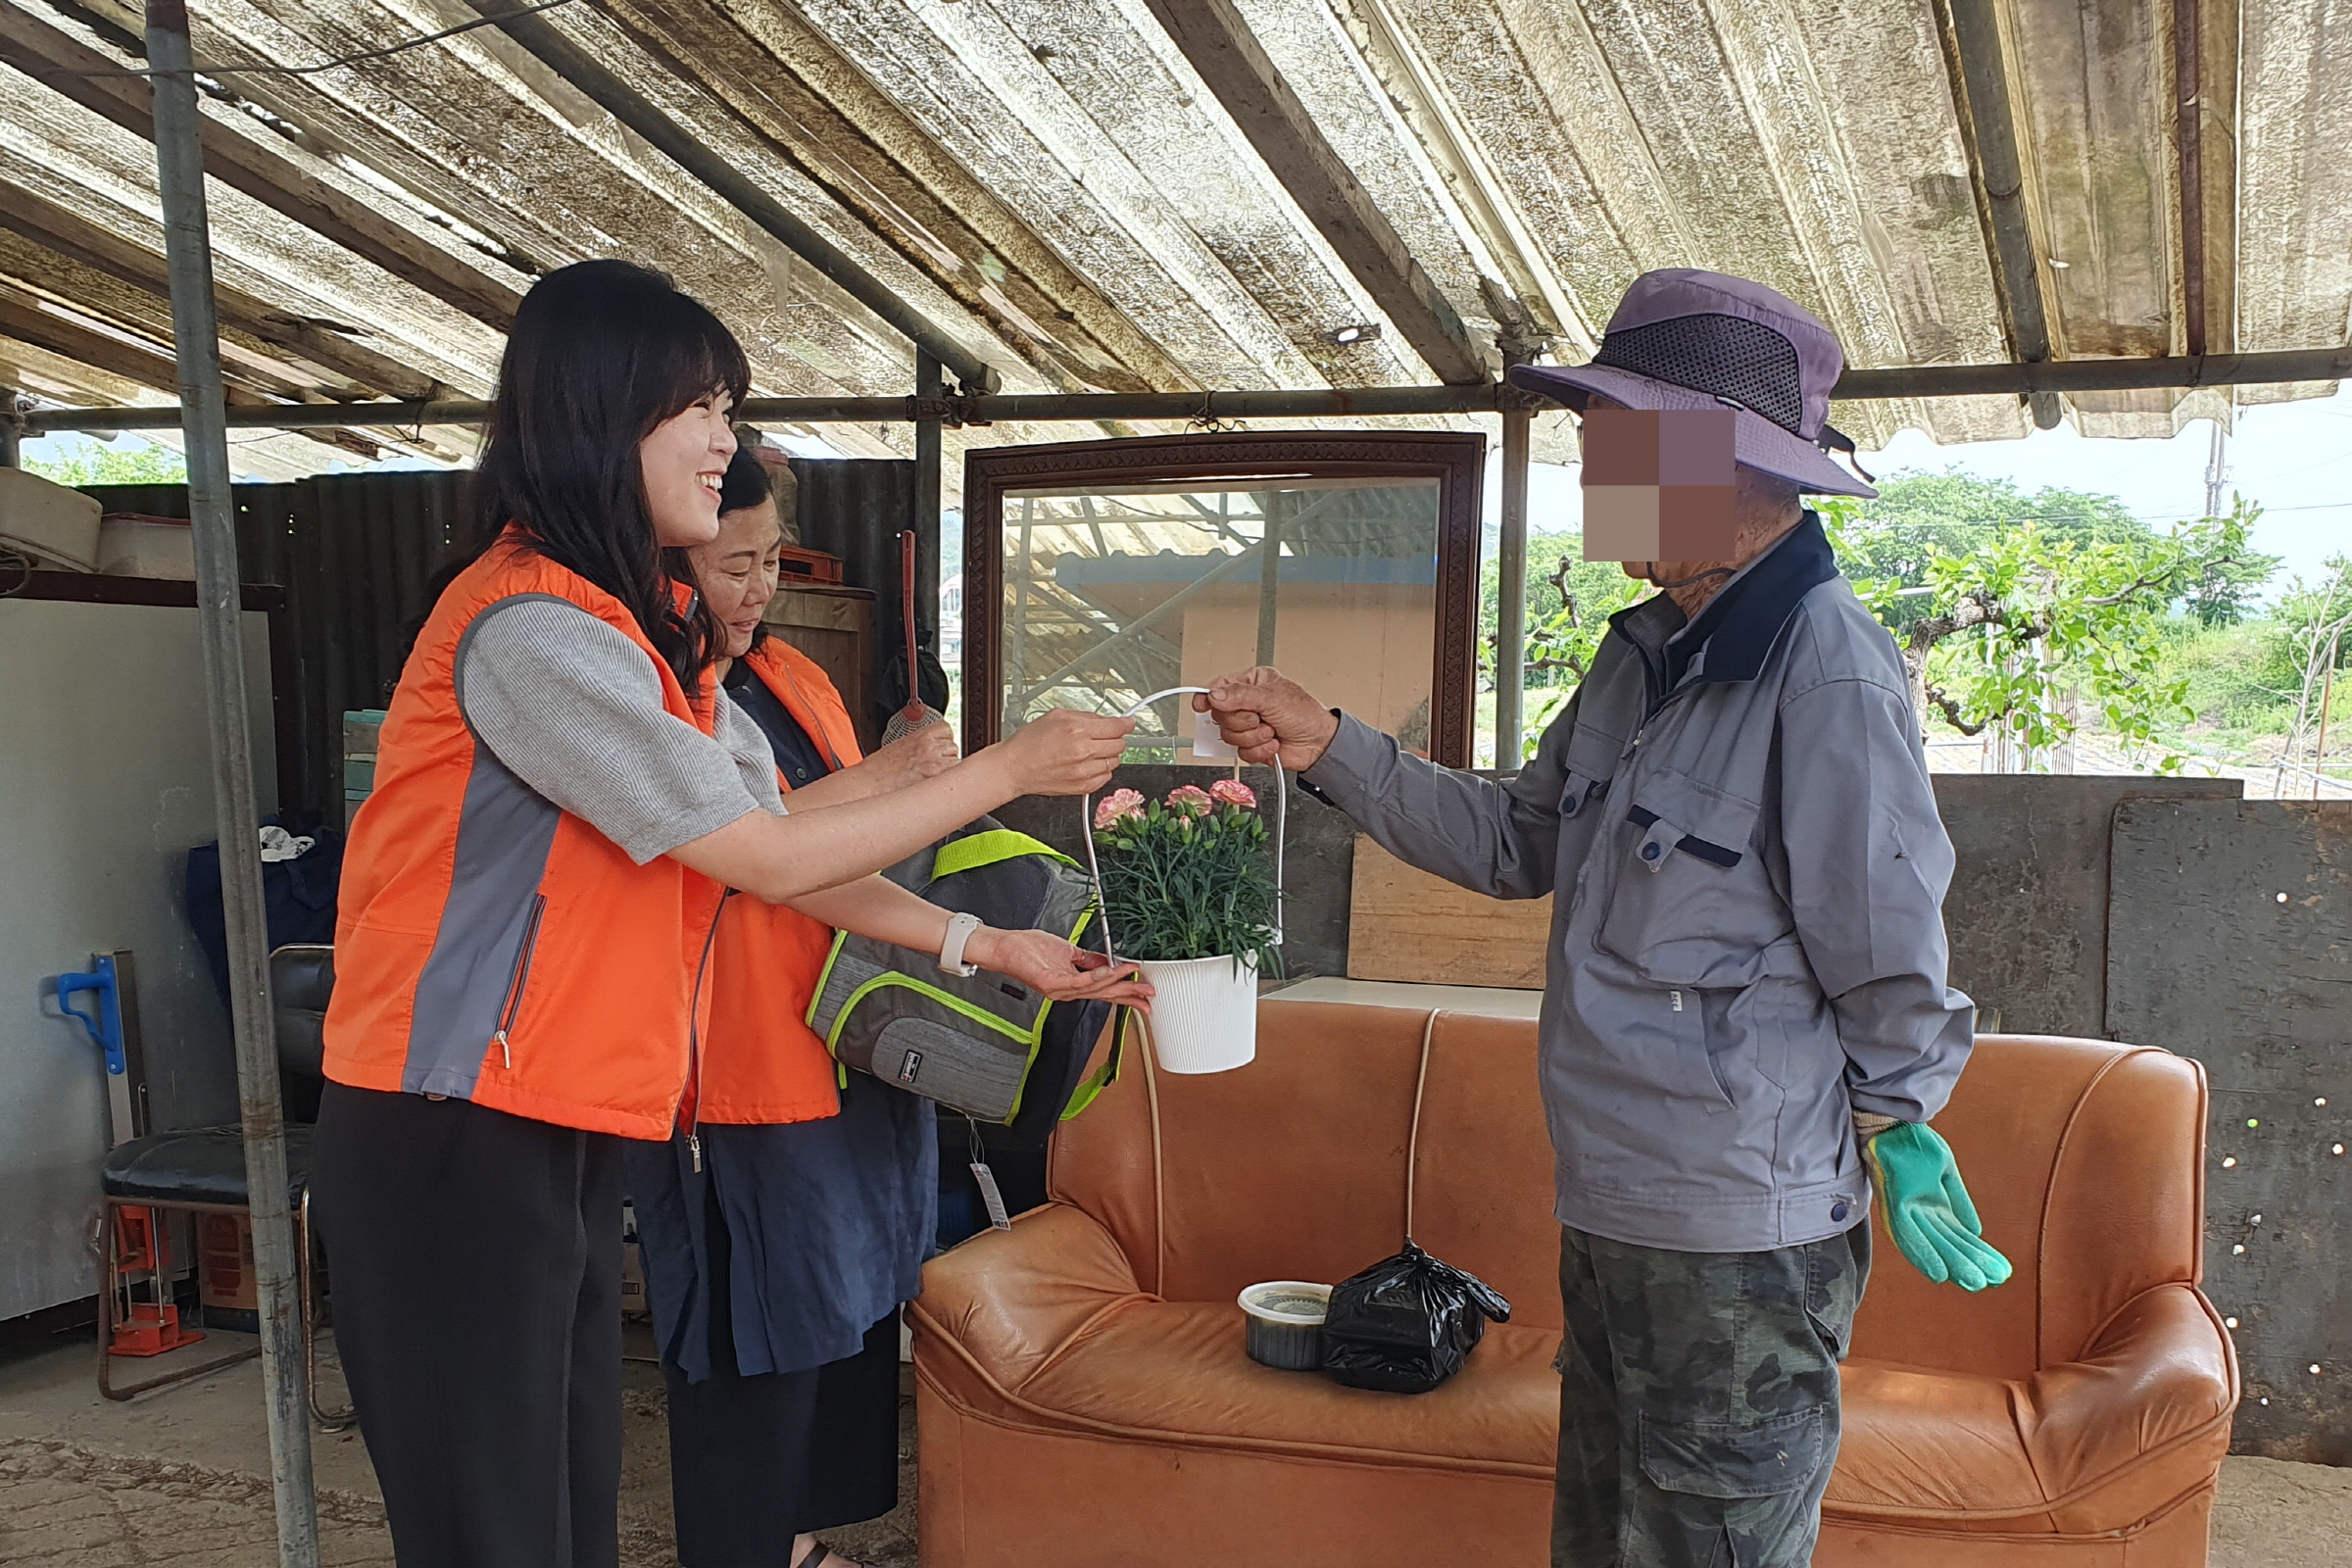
x=1006, y=1301
x=2155, y=1390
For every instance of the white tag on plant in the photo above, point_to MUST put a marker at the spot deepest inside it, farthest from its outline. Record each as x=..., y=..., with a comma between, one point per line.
x=990, y=1197
x=1208, y=746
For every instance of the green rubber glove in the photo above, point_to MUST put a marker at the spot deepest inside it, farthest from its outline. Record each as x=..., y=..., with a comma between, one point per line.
x=1927, y=1209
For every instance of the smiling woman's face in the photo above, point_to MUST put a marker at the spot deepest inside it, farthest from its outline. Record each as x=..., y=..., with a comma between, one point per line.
x=682, y=463
x=737, y=570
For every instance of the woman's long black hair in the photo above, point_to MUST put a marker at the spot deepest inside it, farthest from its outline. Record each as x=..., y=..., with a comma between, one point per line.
x=602, y=352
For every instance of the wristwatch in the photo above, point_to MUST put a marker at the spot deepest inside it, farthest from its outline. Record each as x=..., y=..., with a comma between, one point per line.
x=960, y=927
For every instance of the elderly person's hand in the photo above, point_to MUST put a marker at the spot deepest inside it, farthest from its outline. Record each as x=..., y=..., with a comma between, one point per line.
x=1265, y=715
x=914, y=757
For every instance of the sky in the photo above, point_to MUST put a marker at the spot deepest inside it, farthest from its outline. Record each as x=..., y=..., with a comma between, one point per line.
x=2293, y=458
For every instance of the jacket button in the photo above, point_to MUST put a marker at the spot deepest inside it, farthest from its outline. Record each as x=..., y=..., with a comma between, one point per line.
x=1652, y=850
x=1568, y=806
x=1838, y=1213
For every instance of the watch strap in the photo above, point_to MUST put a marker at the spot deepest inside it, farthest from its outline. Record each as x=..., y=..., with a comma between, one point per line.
x=960, y=927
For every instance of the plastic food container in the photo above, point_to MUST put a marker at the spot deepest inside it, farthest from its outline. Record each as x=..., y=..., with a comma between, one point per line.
x=1286, y=1323
x=133, y=546
x=50, y=522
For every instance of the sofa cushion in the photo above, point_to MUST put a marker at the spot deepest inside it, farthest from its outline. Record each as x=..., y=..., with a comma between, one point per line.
x=2086, y=1448
x=1175, y=1371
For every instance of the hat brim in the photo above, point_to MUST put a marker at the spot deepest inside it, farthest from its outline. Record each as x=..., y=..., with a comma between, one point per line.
x=1758, y=443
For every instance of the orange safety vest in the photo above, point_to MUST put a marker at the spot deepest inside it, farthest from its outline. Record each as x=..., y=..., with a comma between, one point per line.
x=491, y=945
x=761, y=1063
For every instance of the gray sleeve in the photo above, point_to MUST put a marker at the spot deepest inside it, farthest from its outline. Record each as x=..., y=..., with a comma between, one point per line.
x=1868, y=866
x=755, y=760
x=1499, y=838
x=571, y=707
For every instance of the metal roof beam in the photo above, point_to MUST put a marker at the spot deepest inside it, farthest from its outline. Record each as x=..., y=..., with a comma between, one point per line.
x=102, y=85
x=1217, y=41
x=789, y=81
x=625, y=104
x=1988, y=124
x=2053, y=376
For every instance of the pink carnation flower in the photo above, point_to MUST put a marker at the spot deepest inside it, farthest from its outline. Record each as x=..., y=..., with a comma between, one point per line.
x=1190, y=800
x=1118, y=805
x=1232, y=792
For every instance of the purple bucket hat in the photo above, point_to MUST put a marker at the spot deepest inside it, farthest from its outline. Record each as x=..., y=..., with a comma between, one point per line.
x=1685, y=339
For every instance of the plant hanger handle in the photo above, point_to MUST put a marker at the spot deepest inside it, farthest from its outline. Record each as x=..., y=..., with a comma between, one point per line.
x=1282, y=822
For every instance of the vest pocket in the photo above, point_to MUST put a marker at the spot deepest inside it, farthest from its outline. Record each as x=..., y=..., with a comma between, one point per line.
x=519, y=980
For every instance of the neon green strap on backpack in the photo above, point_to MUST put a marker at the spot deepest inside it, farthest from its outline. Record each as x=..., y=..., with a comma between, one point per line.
x=992, y=847
x=1085, y=1094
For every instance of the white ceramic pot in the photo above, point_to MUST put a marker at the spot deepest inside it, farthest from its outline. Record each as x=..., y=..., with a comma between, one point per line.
x=1203, y=1012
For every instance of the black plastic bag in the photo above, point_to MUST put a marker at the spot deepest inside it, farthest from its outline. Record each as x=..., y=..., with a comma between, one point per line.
x=1407, y=1323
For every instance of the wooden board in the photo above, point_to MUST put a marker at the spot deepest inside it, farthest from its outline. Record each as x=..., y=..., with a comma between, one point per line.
x=835, y=626
x=1404, y=924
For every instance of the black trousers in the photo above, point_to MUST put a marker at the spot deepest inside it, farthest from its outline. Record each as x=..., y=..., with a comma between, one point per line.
x=755, y=1461
x=476, y=1266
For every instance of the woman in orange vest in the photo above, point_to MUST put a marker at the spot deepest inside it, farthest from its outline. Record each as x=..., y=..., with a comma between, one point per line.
x=776, y=1264
x=529, y=898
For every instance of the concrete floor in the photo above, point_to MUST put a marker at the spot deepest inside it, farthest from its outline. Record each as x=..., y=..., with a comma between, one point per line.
x=178, y=1478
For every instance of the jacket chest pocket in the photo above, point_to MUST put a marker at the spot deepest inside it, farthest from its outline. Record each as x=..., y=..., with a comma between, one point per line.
x=1590, y=761
x=1688, y=902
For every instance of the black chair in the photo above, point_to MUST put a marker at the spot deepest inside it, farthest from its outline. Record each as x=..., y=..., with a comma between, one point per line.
x=202, y=1172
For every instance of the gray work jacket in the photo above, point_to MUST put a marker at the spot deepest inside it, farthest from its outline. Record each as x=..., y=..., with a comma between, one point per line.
x=1747, y=941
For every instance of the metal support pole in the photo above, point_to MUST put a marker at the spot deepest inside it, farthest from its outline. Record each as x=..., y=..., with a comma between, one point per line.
x=195, y=332
x=1510, y=588
x=930, y=393
x=1269, y=574
x=2319, y=755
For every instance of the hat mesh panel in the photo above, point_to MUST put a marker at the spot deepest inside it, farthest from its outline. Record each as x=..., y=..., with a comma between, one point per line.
x=1727, y=356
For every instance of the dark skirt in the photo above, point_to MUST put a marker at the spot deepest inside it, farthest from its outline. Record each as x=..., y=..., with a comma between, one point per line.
x=757, y=1460
x=827, y=1223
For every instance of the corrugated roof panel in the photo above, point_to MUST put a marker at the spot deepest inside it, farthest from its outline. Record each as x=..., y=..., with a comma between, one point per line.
x=2295, y=228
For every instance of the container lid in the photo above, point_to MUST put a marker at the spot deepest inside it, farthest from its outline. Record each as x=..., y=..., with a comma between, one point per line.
x=1287, y=1302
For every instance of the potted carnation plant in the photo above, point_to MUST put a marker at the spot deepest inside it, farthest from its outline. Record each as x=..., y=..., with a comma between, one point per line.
x=1189, y=893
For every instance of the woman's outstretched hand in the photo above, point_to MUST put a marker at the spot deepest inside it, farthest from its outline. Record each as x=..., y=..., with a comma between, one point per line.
x=1043, y=962
x=1062, y=752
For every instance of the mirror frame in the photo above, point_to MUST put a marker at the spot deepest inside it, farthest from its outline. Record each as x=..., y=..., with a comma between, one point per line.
x=1457, y=460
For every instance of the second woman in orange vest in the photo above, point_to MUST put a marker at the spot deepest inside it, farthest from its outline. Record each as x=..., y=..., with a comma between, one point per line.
x=528, y=903
x=776, y=1264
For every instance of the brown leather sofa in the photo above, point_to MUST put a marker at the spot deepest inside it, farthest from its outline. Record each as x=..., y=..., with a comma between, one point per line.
x=1084, y=1401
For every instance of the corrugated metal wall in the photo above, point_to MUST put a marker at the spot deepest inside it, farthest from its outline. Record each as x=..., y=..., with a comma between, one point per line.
x=856, y=508
x=355, y=554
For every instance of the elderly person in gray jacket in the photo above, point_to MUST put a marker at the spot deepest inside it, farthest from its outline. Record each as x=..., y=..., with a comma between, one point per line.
x=1746, y=1009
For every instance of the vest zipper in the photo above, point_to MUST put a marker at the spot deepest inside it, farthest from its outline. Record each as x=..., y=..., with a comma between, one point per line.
x=814, y=724
x=521, y=978
x=693, y=1035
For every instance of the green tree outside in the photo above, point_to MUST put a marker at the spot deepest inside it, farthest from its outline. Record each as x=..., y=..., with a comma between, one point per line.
x=2026, y=616
x=88, y=461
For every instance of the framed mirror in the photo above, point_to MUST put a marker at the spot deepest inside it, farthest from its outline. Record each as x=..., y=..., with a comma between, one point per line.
x=1099, y=572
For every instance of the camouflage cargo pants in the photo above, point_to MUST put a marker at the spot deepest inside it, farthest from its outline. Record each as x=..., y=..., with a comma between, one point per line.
x=1699, y=1400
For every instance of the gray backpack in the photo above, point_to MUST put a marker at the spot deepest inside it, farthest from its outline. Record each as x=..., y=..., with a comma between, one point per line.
x=982, y=1044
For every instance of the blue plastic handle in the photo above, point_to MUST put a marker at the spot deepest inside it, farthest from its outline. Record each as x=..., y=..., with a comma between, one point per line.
x=103, y=1024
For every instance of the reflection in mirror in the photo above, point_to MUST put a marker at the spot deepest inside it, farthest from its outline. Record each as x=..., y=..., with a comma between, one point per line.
x=1115, y=592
